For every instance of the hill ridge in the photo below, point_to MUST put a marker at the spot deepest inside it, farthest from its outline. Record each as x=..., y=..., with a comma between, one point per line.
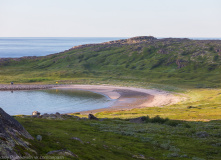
x=143, y=57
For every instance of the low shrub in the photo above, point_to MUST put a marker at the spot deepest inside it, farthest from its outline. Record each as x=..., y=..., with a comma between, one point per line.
x=156, y=119
x=172, y=123
x=167, y=121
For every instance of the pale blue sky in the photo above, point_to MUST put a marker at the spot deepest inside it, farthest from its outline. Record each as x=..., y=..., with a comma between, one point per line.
x=110, y=18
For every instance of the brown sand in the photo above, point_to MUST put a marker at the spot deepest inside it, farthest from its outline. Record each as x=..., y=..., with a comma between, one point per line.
x=127, y=97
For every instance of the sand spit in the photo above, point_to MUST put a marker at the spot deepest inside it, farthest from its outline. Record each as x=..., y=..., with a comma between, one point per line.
x=128, y=97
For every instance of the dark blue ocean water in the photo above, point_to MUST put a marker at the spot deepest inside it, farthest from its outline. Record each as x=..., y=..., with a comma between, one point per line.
x=19, y=47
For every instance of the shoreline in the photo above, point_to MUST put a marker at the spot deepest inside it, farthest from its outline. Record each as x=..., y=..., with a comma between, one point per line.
x=15, y=87
x=127, y=98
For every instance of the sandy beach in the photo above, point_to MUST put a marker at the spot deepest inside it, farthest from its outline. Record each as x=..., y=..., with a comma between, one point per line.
x=128, y=97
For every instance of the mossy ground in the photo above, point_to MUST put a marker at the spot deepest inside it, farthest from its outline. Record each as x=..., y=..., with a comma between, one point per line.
x=121, y=139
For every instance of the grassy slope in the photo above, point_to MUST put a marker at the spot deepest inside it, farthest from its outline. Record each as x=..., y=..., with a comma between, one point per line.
x=165, y=61
x=120, y=139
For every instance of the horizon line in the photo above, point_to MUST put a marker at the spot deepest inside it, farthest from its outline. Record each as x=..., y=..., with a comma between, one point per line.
x=107, y=37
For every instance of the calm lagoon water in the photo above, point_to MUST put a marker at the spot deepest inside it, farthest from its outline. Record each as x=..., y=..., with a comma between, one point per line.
x=51, y=101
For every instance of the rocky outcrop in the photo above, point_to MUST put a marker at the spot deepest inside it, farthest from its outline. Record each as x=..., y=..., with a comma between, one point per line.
x=12, y=138
x=56, y=116
x=133, y=40
x=141, y=39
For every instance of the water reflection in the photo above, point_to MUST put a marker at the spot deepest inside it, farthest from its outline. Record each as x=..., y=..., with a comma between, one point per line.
x=51, y=101
x=72, y=92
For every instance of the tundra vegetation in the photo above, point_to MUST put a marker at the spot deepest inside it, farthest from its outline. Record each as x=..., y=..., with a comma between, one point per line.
x=190, y=129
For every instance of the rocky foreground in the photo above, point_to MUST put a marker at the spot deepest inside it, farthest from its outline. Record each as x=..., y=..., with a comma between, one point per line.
x=12, y=138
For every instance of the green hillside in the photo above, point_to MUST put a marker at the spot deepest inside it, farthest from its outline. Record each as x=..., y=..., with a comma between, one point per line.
x=174, y=61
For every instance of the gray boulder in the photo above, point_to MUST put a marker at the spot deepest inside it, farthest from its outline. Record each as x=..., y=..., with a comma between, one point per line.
x=62, y=152
x=39, y=137
x=92, y=117
x=45, y=115
x=12, y=134
x=202, y=134
x=77, y=139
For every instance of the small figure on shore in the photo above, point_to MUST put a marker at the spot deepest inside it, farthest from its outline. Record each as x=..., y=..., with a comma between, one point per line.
x=12, y=83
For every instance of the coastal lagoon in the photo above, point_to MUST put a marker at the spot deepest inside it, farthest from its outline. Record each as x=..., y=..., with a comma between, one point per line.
x=52, y=101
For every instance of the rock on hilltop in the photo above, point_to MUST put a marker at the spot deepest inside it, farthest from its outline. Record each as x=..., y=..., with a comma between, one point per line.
x=133, y=40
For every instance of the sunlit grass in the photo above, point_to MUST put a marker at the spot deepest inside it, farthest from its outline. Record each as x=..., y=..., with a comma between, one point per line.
x=199, y=105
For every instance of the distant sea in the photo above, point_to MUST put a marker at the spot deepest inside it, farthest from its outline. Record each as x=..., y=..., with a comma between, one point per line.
x=36, y=46
x=19, y=47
